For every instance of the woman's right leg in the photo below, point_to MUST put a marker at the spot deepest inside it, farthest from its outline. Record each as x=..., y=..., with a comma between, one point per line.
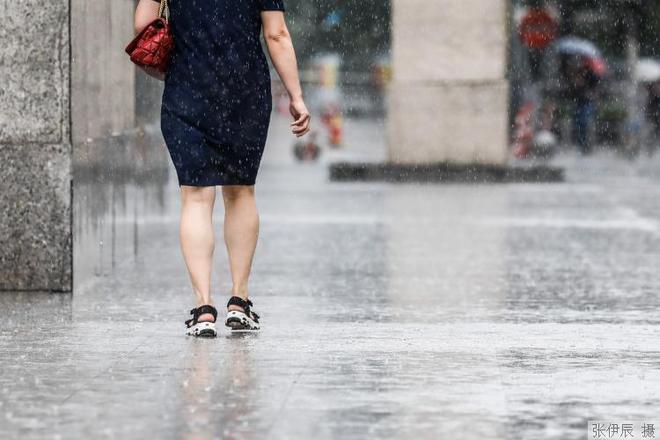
x=198, y=240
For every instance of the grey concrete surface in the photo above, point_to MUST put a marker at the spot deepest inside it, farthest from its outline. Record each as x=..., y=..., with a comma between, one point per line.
x=34, y=67
x=35, y=226
x=389, y=312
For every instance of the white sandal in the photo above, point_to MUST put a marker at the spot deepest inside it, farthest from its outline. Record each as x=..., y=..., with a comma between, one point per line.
x=204, y=329
x=242, y=320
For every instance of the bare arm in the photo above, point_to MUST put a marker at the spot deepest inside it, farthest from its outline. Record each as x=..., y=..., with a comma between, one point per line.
x=280, y=48
x=145, y=13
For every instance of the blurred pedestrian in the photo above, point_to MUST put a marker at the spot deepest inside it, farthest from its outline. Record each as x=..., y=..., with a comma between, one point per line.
x=215, y=116
x=582, y=83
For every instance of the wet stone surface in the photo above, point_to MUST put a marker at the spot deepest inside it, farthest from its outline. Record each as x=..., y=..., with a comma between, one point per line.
x=389, y=311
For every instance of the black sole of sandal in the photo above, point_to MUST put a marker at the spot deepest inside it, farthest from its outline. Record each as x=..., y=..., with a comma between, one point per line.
x=206, y=333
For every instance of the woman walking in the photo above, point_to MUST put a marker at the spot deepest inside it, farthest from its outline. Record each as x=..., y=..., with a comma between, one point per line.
x=214, y=118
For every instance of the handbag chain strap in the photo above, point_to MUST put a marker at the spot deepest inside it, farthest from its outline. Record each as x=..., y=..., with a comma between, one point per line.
x=164, y=10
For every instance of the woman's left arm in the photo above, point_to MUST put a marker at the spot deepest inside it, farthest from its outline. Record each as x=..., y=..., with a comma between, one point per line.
x=145, y=12
x=280, y=48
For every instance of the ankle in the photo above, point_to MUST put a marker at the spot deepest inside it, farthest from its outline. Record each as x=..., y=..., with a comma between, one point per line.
x=241, y=292
x=203, y=300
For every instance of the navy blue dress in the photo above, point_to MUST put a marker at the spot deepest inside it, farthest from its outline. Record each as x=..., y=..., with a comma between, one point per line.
x=217, y=99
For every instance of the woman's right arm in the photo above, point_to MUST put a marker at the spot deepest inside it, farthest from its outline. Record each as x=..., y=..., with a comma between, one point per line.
x=145, y=13
x=280, y=48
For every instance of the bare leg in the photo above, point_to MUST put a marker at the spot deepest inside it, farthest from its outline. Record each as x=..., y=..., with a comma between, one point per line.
x=241, y=232
x=198, y=240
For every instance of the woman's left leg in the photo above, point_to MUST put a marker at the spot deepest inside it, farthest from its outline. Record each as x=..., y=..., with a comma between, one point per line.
x=241, y=230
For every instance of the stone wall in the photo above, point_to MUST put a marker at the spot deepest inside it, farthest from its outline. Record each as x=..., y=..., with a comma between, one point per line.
x=448, y=99
x=70, y=135
x=35, y=148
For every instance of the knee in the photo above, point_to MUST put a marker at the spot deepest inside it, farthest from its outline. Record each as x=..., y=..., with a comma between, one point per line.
x=232, y=193
x=198, y=194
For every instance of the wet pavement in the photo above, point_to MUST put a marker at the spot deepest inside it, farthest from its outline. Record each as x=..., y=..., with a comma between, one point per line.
x=390, y=311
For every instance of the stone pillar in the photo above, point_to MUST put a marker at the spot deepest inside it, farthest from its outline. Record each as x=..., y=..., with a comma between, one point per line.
x=103, y=79
x=35, y=147
x=448, y=99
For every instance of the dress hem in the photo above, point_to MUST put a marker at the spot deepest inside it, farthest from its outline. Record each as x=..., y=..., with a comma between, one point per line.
x=224, y=183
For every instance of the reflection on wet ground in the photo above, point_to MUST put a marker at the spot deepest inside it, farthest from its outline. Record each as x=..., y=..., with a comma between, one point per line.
x=389, y=311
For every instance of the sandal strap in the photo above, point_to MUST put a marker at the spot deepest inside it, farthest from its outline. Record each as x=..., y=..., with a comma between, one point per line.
x=240, y=302
x=199, y=311
x=202, y=310
x=190, y=322
x=245, y=305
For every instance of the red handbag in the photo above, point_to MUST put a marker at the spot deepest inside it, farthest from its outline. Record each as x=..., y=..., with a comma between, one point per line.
x=152, y=47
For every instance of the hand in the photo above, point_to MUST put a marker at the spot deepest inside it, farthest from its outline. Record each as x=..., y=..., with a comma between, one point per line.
x=301, y=116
